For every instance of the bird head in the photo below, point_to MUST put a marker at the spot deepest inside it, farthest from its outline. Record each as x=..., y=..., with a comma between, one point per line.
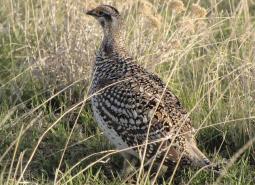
x=107, y=16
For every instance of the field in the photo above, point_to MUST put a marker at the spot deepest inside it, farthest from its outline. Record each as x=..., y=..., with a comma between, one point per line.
x=203, y=50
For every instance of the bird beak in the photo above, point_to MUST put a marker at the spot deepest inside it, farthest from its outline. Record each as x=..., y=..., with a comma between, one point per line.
x=91, y=12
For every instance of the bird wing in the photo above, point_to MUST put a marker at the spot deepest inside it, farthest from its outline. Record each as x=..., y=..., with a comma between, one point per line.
x=142, y=103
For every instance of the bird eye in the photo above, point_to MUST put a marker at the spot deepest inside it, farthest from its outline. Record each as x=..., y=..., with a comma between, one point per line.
x=102, y=14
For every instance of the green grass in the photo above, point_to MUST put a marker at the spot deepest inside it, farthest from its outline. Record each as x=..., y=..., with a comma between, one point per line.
x=46, y=54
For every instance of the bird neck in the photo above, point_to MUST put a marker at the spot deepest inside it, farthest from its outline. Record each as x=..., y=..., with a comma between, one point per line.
x=113, y=41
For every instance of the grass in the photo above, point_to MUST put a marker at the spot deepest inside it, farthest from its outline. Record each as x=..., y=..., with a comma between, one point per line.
x=47, y=133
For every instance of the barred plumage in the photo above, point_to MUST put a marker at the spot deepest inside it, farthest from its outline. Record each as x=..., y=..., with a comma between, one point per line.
x=130, y=103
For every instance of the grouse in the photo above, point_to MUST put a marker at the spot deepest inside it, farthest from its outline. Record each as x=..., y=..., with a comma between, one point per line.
x=134, y=108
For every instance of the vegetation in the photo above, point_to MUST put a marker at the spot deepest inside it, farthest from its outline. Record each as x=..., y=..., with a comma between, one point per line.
x=203, y=50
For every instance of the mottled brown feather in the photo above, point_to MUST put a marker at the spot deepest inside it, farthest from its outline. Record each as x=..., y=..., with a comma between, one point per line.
x=132, y=101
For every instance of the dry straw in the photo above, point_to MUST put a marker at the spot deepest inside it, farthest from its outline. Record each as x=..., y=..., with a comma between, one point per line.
x=198, y=11
x=175, y=44
x=187, y=24
x=155, y=21
x=151, y=14
x=176, y=6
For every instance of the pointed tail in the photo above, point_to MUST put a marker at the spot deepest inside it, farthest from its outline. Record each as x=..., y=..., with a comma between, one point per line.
x=198, y=159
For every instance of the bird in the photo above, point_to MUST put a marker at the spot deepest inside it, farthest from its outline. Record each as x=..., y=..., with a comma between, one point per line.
x=134, y=108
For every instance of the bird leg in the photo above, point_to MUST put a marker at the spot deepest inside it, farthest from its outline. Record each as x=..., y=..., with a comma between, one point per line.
x=128, y=165
x=155, y=172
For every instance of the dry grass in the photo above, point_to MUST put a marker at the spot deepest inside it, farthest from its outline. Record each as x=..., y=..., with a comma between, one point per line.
x=203, y=50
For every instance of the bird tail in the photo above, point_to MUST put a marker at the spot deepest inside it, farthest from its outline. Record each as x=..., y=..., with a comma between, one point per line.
x=198, y=159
